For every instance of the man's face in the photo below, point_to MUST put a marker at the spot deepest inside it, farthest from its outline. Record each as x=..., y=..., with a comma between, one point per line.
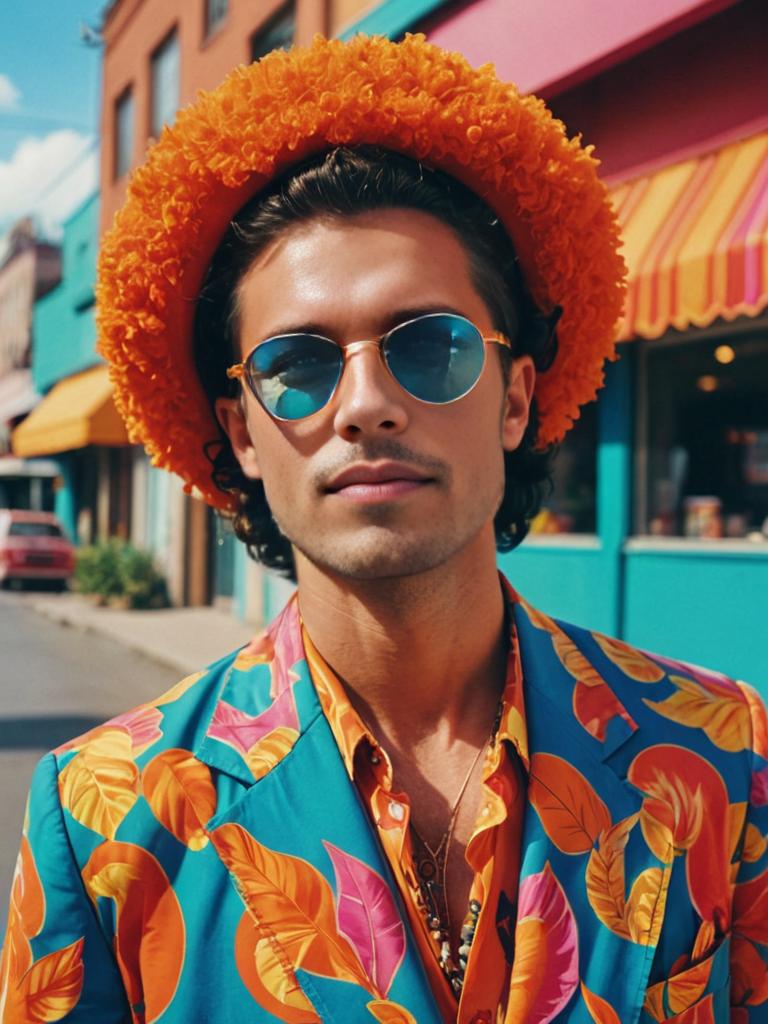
x=420, y=482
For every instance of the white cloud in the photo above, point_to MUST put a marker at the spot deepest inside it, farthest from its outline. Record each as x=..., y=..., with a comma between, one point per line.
x=9, y=94
x=47, y=177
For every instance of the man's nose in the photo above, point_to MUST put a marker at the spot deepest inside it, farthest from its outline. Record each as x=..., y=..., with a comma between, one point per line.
x=368, y=401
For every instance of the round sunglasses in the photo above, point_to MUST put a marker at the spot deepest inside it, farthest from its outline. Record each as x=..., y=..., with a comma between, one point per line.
x=437, y=358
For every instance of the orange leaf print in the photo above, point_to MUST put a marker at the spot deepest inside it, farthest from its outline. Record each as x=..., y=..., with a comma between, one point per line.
x=737, y=814
x=595, y=705
x=672, y=815
x=701, y=1013
x=755, y=844
x=539, y=619
x=685, y=988
x=271, y=981
x=657, y=772
x=645, y=907
x=52, y=985
x=600, y=1011
x=750, y=909
x=749, y=978
x=49, y=989
x=100, y=785
x=150, y=938
x=571, y=812
x=605, y=877
x=723, y=717
x=27, y=894
x=574, y=661
x=179, y=790
x=633, y=663
x=681, y=991
x=270, y=750
x=705, y=940
x=293, y=901
x=390, y=1013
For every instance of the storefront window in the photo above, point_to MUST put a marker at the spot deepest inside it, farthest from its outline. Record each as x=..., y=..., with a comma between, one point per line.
x=571, y=506
x=706, y=449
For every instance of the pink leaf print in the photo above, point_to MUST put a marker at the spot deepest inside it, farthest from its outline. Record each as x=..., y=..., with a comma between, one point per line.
x=241, y=730
x=368, y=916
x=285, y=634
x=546, y=968
x=144, y=726
x=758, y=796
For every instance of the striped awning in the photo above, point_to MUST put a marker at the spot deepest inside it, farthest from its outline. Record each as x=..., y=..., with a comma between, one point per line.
x=696, y=240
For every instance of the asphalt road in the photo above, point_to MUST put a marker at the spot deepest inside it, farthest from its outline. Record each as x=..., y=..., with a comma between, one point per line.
x=55, y=682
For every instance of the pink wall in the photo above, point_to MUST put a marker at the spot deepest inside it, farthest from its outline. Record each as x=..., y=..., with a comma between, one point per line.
x=545, y=45
x=646, y=83
x=689, y=94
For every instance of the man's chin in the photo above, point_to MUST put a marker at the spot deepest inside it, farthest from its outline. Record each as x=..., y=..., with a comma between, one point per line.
x=385, y=559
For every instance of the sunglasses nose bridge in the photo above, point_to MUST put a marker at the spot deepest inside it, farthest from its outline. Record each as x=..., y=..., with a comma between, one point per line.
x=357, y=346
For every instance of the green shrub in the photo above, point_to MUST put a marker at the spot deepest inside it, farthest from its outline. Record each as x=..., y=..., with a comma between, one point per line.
x=116, y=569
x=97, y=569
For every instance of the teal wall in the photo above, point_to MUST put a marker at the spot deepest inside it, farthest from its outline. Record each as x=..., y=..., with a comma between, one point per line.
x=577, y=578
x=65, y=499
x=63, y=326
x=701, y=603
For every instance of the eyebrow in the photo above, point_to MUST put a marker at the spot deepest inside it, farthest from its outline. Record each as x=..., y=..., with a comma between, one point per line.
x=399, y=316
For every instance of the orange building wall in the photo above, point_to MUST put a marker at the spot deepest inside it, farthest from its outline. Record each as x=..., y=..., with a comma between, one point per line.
x=134, y=29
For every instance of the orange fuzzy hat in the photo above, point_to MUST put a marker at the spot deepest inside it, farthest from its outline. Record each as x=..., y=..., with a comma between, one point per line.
x=411, y=97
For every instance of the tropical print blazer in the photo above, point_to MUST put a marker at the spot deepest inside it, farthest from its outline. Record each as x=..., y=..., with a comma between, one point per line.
x=205, y=857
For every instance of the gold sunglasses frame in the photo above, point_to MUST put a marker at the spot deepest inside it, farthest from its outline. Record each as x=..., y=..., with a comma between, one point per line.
x=238, y=370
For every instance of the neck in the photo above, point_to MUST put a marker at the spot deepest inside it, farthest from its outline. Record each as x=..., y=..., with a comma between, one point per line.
x=421, y=656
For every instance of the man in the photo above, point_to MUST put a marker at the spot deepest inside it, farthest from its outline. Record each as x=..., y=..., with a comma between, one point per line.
x=414, y=798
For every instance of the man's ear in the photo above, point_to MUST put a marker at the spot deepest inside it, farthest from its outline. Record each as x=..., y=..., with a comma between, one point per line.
x=231, y=417
x=517, y=402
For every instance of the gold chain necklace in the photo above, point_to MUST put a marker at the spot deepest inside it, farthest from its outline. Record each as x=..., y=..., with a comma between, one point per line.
x=432, y=872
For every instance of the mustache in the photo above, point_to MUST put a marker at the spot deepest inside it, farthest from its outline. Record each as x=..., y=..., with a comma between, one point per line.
x=377, y=451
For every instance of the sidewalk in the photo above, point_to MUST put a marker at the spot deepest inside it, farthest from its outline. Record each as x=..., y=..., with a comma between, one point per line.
x=186, y=639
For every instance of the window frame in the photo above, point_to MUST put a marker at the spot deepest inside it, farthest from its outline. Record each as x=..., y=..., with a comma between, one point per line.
x=170, y=37
x=285, y=10
x=211, y=28
x=125, y=96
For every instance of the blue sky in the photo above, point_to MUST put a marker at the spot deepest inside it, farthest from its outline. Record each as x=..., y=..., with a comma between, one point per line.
x=49, y=109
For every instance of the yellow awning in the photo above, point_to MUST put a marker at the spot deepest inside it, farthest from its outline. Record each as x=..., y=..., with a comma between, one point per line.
x=76, y=412
x=696, y=240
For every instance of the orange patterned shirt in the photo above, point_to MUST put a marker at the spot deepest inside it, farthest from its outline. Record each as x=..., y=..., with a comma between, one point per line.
x=493, y=851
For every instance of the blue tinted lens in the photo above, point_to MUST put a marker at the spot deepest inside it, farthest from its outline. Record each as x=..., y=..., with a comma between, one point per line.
x=294, y=375
x=436, y=358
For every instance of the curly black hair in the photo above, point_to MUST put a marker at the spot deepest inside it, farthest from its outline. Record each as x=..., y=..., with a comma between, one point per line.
x=344, y=182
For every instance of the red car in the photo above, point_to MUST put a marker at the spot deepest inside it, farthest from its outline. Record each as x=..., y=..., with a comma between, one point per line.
x=33, y=547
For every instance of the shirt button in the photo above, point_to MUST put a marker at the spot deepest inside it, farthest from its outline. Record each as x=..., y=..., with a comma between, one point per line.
x=485, y=811
x=396, y=810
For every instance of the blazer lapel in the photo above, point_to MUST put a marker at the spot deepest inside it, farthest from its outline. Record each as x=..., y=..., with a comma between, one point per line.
x=300, y=848
x=584, y=863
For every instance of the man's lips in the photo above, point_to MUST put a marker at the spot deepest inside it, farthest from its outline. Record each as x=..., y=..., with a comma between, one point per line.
x=377, y=480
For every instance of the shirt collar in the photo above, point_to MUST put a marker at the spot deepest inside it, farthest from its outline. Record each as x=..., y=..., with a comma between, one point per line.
x=350, y=730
